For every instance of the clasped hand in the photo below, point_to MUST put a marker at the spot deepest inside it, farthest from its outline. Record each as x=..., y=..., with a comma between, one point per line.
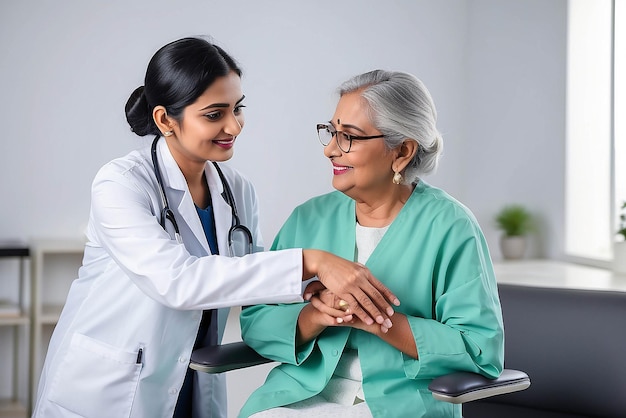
x=334, y=311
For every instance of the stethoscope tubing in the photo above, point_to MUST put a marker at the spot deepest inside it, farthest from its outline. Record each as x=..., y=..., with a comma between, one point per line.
x=168, y=214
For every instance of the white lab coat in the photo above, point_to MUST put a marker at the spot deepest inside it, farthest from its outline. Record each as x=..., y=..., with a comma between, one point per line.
x=139, y=289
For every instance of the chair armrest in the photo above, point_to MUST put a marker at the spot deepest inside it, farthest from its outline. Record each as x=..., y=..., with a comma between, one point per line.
x=225, y=357
x=454, y=388
x=465, y=387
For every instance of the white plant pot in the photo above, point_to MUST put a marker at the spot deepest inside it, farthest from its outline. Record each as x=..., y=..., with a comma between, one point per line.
x=619, y=257
x=513, y=248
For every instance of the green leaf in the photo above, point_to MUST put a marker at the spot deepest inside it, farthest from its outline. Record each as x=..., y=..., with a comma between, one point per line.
x=514, y=220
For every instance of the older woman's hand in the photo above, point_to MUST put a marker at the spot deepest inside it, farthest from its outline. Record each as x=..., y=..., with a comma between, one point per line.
x=326, y=309
x=334, y=309
x=352, y=282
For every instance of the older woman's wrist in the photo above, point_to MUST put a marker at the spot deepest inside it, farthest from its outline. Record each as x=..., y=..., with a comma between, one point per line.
x=309, y=324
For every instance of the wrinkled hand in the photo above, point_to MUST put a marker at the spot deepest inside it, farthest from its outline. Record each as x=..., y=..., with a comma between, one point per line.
x=366, y=296
x=336, y=311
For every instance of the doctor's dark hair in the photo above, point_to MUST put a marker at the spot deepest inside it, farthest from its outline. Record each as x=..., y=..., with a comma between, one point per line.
x=400, y=107
x=177, y=75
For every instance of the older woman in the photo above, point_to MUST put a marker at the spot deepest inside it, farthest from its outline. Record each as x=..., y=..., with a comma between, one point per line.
x=423, y=244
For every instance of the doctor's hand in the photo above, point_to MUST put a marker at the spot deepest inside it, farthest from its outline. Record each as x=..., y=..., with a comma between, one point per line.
x=353, y=283
x=334, y=311
x=326, y=309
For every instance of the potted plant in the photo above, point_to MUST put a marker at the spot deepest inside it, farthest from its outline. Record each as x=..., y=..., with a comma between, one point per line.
x=515, y=221
x=619, y=247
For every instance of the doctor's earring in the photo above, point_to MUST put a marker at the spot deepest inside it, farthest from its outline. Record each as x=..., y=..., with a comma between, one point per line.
x=397, y=178
x=168, y=133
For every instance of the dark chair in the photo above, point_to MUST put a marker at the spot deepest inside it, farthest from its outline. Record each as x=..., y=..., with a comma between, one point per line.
x=569, y=341
x=455, y=388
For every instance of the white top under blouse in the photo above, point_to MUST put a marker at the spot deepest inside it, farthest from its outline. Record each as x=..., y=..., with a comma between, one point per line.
x=343, y=395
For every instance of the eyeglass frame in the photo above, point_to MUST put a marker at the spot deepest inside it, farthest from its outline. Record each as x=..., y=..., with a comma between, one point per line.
x=334, y=133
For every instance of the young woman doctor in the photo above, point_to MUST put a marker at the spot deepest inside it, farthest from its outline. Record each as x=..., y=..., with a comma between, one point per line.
x=156, y=266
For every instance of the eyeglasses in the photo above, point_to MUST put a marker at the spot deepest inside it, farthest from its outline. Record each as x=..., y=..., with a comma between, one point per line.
x=325, y=133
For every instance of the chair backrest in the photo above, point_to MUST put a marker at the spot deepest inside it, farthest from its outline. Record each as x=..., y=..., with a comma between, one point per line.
x=573, y=345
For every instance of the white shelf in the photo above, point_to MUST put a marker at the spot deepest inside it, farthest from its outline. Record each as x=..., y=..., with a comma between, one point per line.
x=557, y=274
x=58, y=246
x=55, y=264
x=9, y=308
x=7, y=320
x=12, y=409
x=50, y=314
x=14, y=314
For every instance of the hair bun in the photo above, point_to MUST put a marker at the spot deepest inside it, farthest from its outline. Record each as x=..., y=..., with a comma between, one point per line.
x=138, y=114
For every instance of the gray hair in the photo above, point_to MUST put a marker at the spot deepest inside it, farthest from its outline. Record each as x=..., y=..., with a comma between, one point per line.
x=401, y=108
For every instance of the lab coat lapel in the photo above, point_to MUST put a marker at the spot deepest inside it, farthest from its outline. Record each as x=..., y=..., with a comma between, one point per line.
x=181, y=201
x=188, y=211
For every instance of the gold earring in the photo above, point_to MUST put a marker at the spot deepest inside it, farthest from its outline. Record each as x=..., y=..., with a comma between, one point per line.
x=168, y=133
x=397, y=178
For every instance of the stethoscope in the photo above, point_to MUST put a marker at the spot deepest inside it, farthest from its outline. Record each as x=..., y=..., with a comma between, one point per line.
x=168, y=215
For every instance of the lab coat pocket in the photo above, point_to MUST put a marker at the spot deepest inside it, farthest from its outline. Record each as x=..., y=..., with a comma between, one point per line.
x=96, y=379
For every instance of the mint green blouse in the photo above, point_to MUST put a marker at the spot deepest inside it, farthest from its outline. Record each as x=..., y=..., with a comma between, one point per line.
x=434, y=257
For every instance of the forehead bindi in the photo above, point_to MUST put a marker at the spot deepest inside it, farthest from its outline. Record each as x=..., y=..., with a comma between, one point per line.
x=352, y=113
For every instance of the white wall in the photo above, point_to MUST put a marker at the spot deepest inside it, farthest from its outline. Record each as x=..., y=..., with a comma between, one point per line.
x=515, y=136
x=69, y=67
x=496, y=70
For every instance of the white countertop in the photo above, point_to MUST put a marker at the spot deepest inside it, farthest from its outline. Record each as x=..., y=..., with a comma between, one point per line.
x=551, y=273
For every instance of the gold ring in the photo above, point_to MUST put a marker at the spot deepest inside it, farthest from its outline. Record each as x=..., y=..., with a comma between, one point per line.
x=343, y=304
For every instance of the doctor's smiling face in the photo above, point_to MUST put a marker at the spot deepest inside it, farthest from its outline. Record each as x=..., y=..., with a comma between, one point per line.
x=209, y=126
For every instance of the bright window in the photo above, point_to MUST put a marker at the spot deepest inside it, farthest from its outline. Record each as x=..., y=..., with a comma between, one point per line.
x=595, y=151
x=620, y=105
